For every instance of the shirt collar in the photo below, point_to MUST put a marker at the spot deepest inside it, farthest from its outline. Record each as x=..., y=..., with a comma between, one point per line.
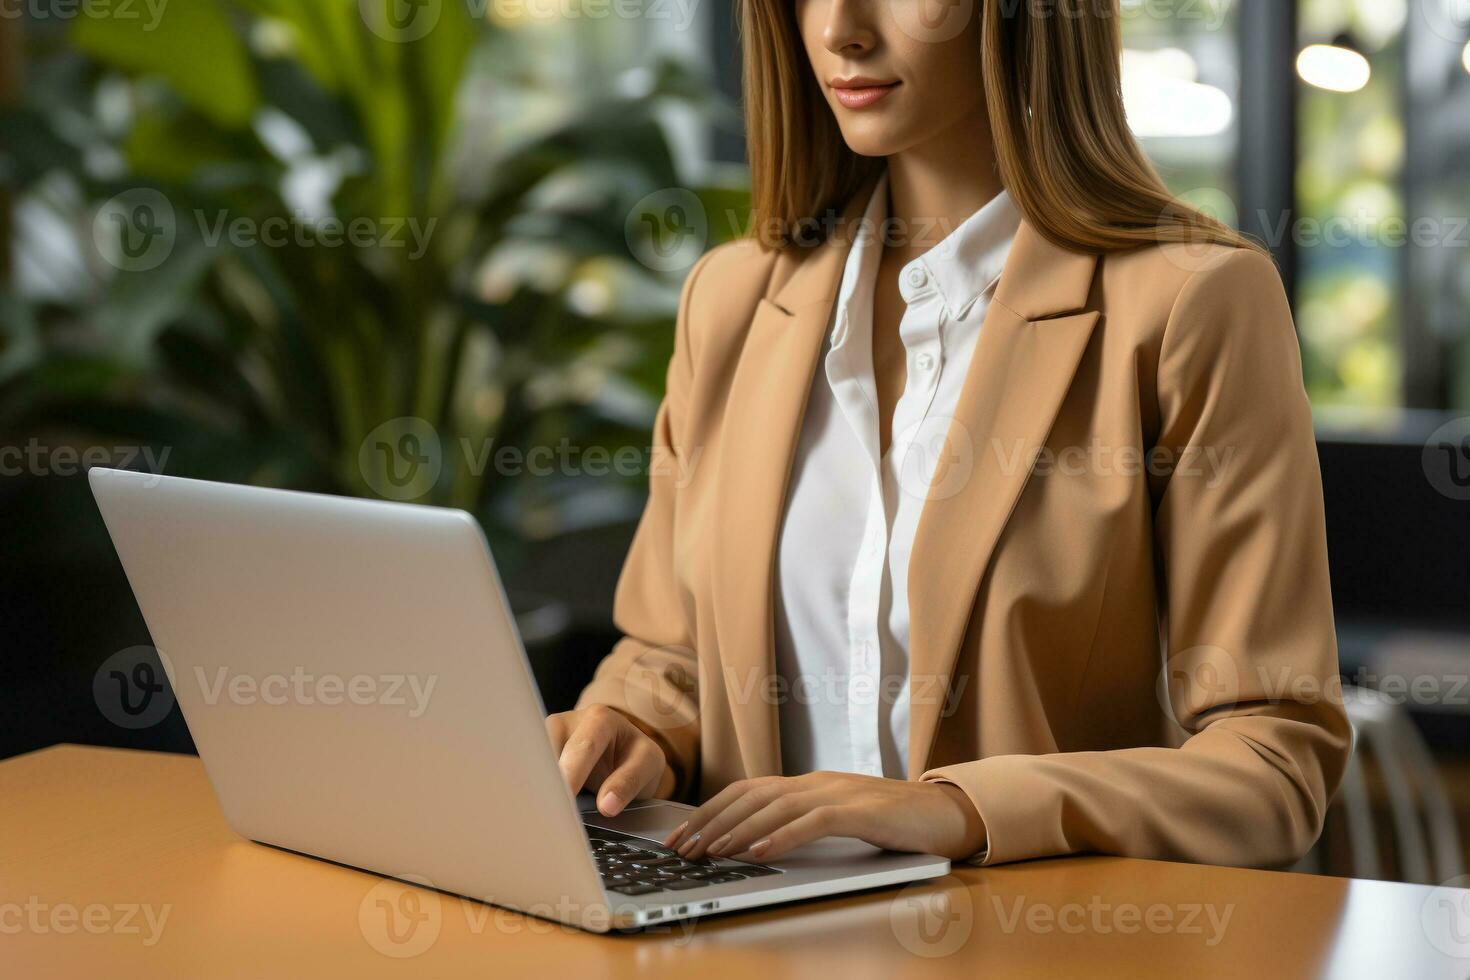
x=964, y=266
x=861, y=270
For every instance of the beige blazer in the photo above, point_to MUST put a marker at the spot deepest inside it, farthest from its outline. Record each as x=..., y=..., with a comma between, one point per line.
x=1122, y=637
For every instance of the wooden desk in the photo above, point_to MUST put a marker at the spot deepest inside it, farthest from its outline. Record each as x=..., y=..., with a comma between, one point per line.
x=119, y=864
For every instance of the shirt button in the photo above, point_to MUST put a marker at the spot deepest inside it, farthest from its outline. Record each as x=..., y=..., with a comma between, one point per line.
x=918, y=278
x=925, y=362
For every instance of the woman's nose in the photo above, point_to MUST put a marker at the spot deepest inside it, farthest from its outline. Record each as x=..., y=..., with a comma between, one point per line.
x=849, y=31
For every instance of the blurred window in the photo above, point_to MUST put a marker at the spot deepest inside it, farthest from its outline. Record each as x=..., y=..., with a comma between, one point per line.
x=1351, y=219
x=1181, y=84
x=1377, y=252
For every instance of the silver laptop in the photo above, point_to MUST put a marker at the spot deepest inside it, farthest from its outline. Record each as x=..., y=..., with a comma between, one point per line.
x=357, y=690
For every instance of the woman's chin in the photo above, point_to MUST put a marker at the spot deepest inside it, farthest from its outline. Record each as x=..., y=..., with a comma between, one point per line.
x=868, y=140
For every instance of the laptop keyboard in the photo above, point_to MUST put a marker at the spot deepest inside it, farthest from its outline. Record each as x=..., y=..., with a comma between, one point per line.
x=635, y=866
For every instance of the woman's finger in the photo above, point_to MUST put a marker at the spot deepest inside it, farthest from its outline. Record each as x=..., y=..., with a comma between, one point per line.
x=634, y=774
x=715, y=833
x=784, y=809
x=827, y=820
x=584, y=748
x=556, y=730
x=706, y=811
x=710, y=827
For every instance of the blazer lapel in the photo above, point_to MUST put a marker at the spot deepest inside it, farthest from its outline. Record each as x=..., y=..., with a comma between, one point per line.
x=764, y=412
x=1033, y=338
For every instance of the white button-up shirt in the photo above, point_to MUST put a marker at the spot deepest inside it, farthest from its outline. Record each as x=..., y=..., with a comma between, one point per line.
x=842, y=608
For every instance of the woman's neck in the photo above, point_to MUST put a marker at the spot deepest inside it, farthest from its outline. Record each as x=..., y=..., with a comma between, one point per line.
x=934, y=187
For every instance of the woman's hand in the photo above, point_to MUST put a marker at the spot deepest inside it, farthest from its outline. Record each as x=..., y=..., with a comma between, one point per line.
x=762, y=819
x=602, y=751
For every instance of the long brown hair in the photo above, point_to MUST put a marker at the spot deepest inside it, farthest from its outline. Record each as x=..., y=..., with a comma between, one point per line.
x=1053, y=87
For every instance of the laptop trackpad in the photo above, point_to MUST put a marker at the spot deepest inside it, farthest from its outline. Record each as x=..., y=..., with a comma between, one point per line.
x=654, y=822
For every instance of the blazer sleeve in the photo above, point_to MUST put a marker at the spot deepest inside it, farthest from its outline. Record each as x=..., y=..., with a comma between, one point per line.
x=1245, y=619
x=652, y=674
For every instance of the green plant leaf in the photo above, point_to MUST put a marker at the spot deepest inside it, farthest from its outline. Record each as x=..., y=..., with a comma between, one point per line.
x=191, y=45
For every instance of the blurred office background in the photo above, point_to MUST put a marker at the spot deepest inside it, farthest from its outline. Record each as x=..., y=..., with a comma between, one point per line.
x=251, y=240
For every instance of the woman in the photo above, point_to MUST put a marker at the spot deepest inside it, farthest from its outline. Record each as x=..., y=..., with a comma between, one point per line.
x=989, y=569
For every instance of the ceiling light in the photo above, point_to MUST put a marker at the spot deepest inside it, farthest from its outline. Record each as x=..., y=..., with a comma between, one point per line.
x=1336, y=67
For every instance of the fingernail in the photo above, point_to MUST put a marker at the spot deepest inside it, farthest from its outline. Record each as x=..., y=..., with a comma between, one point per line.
x=718, y=847
x=759, y=847
x=609, y=804
x=669, y=840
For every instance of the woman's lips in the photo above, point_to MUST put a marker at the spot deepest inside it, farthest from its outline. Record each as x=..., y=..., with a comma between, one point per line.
x=861, y=94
